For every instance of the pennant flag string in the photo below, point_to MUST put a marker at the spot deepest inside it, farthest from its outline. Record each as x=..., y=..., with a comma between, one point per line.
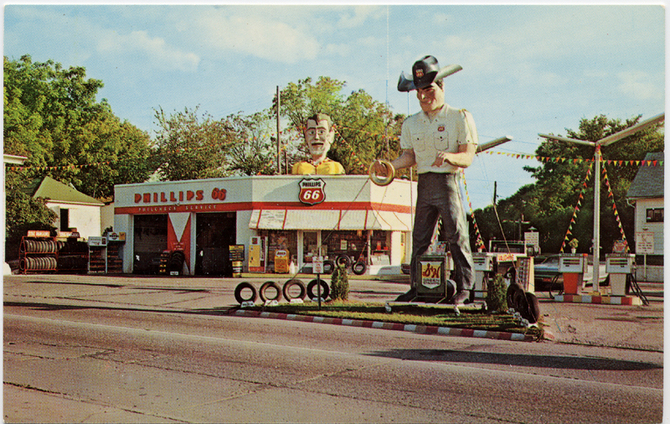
x=577, y=208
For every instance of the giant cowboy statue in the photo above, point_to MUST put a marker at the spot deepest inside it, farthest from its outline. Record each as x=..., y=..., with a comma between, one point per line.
x=441, y=140
x=319, y=136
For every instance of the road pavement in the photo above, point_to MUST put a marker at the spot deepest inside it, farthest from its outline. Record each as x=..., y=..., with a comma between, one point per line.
x=632, y=331
x=635, y=327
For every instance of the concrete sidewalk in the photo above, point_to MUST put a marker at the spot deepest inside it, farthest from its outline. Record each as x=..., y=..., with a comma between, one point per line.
x=632, y=327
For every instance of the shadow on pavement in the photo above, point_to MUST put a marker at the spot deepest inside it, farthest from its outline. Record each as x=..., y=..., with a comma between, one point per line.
x=535, y=361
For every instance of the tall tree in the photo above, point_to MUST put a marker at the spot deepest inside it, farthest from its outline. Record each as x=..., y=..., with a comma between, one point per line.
x=51, y=116
x=564, y=185
x=254, y=149
x=366, y=129
x=191, y=145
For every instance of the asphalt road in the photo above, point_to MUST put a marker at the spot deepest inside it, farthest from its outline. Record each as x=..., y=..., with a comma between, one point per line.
x=83, y=358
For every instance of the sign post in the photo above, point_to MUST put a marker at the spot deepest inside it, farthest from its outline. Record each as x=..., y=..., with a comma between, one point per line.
x=644, y=244
x=317, y=265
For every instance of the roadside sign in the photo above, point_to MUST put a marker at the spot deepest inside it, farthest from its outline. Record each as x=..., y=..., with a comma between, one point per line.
x=644, y=243
x=317, y=265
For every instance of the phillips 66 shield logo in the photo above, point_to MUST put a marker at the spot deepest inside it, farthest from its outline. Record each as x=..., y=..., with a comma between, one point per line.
x=312, y=191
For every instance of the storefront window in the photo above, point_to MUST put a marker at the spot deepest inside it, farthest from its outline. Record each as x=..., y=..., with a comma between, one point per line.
x=310, y=245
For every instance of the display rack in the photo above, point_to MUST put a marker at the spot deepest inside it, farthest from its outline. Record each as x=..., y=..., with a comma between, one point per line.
x=103, y=255
x=72, y=255
x=38, y=255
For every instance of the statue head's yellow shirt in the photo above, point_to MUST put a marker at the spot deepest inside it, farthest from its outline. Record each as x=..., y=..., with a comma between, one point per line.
x=327, y=167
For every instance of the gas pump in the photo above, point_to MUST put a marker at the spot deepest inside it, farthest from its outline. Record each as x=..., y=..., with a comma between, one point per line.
x=484, y=270
x=573, y=268
x=619, y=267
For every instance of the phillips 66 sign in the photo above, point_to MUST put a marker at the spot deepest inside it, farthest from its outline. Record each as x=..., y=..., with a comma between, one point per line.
x=312, y=191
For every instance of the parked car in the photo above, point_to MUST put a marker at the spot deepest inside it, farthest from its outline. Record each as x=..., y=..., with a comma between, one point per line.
x=548, y=277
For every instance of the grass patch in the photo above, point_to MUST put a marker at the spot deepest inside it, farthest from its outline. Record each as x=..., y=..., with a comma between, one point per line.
x=418, y=314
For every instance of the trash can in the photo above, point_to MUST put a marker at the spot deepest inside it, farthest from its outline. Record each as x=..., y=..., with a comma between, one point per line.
x=281, y=261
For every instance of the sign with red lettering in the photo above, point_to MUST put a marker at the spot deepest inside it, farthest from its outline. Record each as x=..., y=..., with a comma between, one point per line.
x=431, y=274
x=312, y=191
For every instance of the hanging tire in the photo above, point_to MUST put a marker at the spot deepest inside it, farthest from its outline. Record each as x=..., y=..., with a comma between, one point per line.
x=533, y=308
x=359, y=268
x=286, y=290
x=240, y=288
x=264, y=288
x=514, y=294
x=325, y=289
x=344, y=261
x=328, y=266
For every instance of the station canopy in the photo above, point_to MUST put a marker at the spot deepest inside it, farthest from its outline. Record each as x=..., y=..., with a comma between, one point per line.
x=337, y=219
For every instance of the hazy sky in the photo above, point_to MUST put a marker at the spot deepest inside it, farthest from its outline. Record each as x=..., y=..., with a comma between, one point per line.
x=526, y=69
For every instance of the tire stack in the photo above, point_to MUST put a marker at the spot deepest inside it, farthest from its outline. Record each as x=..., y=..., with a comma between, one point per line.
x=38, y=255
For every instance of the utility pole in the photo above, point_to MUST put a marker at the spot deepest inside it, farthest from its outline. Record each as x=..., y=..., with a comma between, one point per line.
x=278, y=138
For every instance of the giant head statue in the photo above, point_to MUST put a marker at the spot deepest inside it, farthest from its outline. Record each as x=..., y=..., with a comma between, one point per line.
x=319, y=135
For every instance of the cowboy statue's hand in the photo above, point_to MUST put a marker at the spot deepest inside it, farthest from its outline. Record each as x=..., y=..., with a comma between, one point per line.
x=440, y=159
x=379, y=168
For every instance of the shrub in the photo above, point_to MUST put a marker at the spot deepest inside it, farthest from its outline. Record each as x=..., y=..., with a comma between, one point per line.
x=496, y=294
x=339, y=284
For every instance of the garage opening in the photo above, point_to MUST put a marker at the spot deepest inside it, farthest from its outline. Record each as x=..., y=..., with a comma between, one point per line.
x=215, y=232
x=149, y=241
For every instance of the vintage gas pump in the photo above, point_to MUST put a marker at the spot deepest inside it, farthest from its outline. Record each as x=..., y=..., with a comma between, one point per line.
x=619, y=266
x=484, y=270
x=572, y=267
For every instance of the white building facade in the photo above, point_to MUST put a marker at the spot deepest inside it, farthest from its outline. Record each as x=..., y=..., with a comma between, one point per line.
x=343, y=218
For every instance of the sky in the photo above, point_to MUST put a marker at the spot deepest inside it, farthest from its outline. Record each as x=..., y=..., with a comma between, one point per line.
x=527, y=69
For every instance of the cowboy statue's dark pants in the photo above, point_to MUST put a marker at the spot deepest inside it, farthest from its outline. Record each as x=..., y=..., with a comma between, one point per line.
x=439, y=196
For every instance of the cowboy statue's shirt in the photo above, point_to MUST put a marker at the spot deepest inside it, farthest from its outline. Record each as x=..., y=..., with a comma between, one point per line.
x=327, y=167
x=449, y=129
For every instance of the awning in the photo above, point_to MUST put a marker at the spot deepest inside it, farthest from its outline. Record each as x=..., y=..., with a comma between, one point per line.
x=306, y=219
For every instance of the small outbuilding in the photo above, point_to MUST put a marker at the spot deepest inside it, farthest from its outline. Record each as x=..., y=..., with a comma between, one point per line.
x=75, y=210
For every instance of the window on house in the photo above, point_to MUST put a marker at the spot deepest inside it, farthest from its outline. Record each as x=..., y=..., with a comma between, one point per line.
x=655, y=215
x=64, y=219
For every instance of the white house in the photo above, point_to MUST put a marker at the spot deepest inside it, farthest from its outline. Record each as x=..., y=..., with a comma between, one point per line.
x=75, y=210
x=646, y=192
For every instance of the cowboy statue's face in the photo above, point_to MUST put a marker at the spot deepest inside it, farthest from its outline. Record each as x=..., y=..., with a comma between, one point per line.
x=319, y=137
x=431, y=98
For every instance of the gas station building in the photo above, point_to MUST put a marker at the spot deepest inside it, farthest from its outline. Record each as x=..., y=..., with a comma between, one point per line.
x=346, y=215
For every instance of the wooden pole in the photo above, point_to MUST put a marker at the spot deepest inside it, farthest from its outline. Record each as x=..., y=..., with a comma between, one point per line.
x=279, y=172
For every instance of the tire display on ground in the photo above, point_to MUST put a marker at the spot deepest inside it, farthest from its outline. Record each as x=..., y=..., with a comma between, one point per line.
x=533, y=309
x=241, y=288
x=312, y=289
x=359, y=268
x=286, y=290
x=514, y=294
x=269, y=285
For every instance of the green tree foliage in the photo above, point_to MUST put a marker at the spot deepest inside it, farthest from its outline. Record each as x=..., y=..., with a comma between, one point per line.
x=549, y=204
x=366, y=129
x=254, y=150
x=191, y=145
x=22, y=213
x=51, y=116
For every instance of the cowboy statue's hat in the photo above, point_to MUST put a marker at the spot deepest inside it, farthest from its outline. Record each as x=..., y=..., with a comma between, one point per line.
x=424, y=72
